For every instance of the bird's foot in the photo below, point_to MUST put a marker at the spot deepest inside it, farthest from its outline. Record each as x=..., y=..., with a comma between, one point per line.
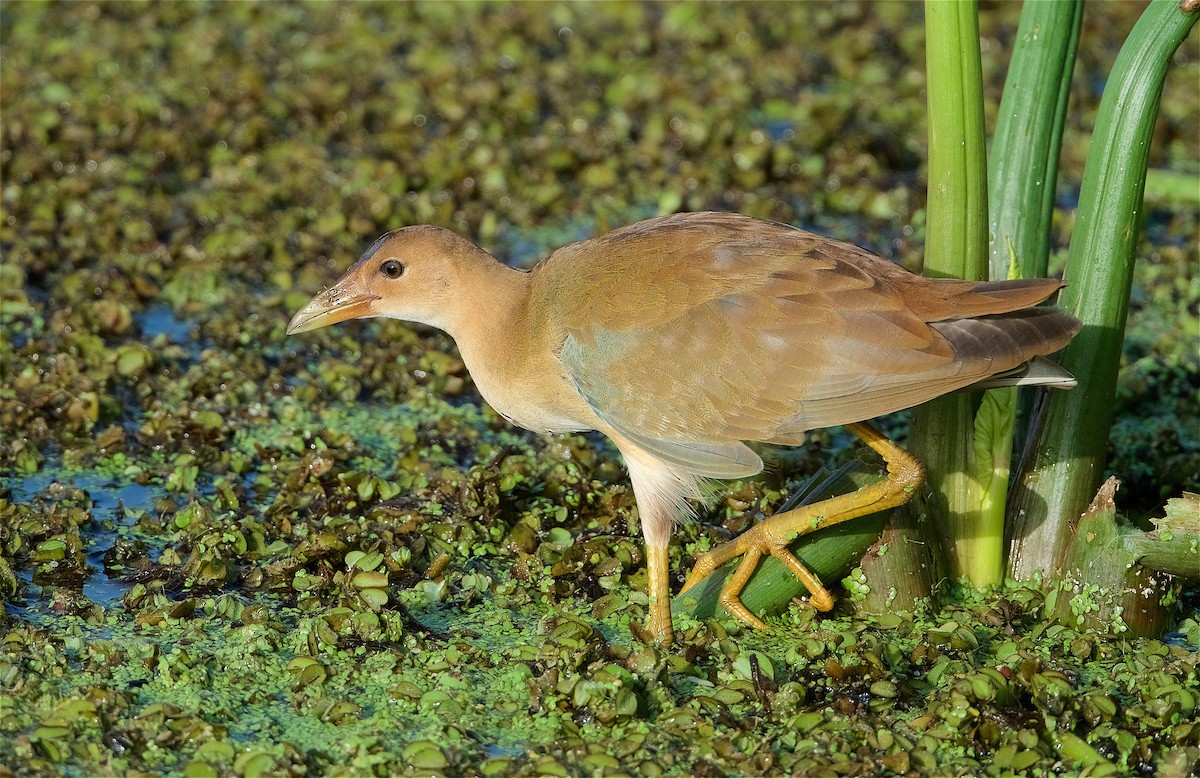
x=765, y=538
x=776, y=533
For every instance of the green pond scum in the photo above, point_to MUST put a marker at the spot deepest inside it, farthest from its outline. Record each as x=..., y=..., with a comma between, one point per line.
x=227, y=554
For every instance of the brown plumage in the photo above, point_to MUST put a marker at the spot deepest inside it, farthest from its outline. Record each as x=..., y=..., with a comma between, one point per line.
x=685, y=336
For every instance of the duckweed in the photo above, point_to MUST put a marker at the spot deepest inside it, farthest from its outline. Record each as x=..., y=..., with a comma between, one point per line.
x=226, y=553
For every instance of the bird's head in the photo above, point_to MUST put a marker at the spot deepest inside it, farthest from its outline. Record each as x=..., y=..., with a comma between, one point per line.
x=412, y=274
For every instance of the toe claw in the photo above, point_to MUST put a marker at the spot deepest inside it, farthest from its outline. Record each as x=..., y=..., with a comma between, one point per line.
x=822, y=601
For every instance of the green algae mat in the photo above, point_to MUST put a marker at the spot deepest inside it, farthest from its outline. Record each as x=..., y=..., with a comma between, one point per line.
x=223, y=553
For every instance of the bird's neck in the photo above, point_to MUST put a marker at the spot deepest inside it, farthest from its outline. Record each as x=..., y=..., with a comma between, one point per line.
x=509, y=342
x=491, y=324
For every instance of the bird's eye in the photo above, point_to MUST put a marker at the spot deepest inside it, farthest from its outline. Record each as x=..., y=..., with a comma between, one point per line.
x=391, y=269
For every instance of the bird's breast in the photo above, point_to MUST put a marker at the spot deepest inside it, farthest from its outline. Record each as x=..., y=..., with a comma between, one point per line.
x=544, y=403
x=524, y=381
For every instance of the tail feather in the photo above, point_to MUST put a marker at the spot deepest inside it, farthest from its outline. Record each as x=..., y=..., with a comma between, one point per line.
x=1038, y=371
x=987, y=345
x=983, y=347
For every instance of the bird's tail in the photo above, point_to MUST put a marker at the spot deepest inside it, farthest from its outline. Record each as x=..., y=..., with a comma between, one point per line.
x=1003, y=345
x=1038, y=371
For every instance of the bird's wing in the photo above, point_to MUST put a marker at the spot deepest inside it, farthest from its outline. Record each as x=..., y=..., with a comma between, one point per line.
x=699, y=331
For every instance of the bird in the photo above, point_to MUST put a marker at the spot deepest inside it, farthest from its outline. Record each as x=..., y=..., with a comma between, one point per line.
x=684, y=337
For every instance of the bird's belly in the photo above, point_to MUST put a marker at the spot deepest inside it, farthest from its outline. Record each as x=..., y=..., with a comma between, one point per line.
x=537, y=420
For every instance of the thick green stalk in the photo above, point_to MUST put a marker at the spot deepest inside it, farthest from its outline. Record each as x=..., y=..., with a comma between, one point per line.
x=901, y=569
x=955, y=246
x=995, y=422
x=1023, y=163
x=1024, y=157
x=1066, y=463
x=993, y=455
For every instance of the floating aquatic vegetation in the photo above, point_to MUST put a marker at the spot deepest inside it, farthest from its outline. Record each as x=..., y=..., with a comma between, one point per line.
x=226, y=553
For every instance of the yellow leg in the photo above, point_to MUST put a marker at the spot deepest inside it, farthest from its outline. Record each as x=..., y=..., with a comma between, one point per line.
x=658, y=570
x=773, y=536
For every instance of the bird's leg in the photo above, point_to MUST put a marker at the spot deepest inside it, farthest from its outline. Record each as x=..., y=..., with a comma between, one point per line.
x=905, y=475
x=658, y=569
x=662, y=493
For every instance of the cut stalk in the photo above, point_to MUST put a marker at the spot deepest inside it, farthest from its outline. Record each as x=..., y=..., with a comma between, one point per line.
x=900, y=569
x=1174, y=545
x=1103, y=584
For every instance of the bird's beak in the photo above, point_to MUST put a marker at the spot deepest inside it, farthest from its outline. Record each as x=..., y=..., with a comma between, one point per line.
x=330, y=307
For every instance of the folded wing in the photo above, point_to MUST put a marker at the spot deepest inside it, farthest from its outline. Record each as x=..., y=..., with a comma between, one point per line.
x=753, y=332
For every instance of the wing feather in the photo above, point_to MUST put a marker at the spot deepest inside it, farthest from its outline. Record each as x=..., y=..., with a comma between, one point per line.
x=696, y=332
